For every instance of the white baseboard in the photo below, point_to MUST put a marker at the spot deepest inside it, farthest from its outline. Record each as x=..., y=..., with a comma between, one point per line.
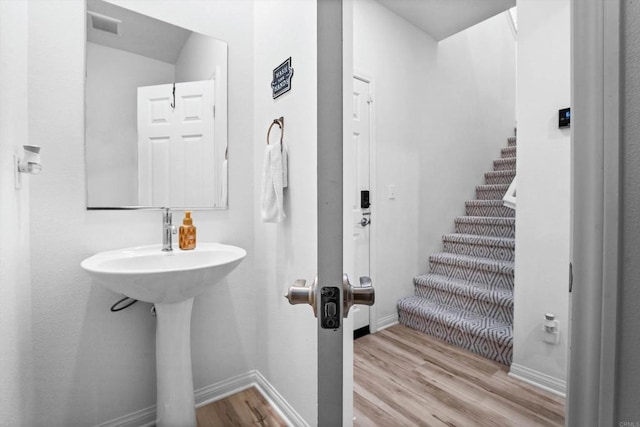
x=275, y=399
x=146, y=417
x=224, y=388
x=143, y=418
x=538, y=379
x=385, y=322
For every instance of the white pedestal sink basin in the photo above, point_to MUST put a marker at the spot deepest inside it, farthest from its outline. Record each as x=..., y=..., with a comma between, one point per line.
x=170, y=280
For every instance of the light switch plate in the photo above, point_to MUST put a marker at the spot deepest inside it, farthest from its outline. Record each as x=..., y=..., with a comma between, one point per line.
x=391, y=189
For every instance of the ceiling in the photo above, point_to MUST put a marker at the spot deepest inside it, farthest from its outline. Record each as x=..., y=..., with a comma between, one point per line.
x=155, y=39
x=443, y=18
x=137, y=33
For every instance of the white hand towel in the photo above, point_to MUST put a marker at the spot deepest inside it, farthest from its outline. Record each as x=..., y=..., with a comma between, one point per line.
x=271, y=207
x=224, y=175
x=285, y=165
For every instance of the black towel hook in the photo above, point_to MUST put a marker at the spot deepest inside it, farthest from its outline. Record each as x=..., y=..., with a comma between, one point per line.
x=173, y=105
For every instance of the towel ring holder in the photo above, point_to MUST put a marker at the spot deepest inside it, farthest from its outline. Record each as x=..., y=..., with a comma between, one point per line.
x=280, y=123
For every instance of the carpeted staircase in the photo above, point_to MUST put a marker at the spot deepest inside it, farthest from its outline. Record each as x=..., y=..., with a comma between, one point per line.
x=467, y=297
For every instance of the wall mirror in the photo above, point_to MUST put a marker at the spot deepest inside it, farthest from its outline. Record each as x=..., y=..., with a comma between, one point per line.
x=155, y=113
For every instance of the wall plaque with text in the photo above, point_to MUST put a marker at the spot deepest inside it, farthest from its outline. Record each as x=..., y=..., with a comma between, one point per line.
x=282, y=75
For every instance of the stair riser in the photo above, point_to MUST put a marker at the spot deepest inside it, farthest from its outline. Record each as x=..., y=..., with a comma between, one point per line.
x=511, y=141
x=481, y=346
x=483, y=229
x=485, y=194
x=484, y=251
x=491, y=211
x=491, y=278
x=508, y=153
x=493, y=179
x=467, y=303
x=504, y=165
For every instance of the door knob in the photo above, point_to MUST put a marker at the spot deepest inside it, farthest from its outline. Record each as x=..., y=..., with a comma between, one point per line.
x=365, y=221
x=300, y=293
x=363, y=295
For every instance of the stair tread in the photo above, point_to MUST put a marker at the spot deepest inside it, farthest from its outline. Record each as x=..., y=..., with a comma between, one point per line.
x=492, y=187
x=469, y=261
x=499, y=177
x=466, y=321
x=478, y=202
x=505, y=172
x=491, y=208
x=505, y=160
x=498, y=220
x=505, y=242
x=508, y=152
x=475, y=290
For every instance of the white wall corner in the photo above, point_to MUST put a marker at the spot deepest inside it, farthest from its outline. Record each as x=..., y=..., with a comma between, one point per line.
x=146, y=417
x=279, y=403
x=539, y=379
x=385, y=322
x=543, y=239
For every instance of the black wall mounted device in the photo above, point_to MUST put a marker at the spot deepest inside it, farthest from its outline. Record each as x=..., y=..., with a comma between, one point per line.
x=564, y=118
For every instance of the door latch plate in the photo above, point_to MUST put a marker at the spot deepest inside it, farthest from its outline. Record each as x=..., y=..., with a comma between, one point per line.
x=330, y=307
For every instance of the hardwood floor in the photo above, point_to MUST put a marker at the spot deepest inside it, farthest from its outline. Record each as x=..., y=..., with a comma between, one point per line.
x=246, y=408
x=405, y=378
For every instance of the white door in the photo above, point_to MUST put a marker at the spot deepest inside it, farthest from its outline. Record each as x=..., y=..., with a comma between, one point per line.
x=330, y=294
x=175, y=144
x=357, y=228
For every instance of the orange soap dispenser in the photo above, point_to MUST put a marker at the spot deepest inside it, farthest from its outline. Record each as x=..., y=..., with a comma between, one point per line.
x=187, y=232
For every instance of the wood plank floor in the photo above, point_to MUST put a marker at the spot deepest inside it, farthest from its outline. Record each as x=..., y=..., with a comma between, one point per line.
x=405, y=378
x=246, y=408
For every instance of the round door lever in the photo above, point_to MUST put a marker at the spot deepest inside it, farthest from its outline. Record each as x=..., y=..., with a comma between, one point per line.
x=300, y=293
x=364, y=222
x=363, y=295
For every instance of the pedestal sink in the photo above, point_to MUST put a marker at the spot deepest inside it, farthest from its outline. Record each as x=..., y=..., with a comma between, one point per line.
x=170, y=280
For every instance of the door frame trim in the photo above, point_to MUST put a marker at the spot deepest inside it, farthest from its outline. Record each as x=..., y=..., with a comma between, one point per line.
x=363, y=76
x=595, y=207
x=334, y=402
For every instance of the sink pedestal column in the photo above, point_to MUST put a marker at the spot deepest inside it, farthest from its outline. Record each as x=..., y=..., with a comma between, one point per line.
x=176, y=405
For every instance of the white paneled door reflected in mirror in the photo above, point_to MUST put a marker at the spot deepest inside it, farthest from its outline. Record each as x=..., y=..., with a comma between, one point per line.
x=155, y=113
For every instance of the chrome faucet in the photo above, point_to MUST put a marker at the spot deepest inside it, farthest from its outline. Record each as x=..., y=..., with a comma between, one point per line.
x=167, y=230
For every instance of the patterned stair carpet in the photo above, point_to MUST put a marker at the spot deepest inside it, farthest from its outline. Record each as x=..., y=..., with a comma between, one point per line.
x=466, y=298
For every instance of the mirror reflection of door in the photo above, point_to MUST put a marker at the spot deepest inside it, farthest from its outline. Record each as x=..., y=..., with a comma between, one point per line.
x=126, y=50
x=175, y=123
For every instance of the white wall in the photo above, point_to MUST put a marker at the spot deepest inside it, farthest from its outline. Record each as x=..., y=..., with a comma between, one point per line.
x=91, y=365
x=200, y=58
x=113, y=78
x=400, y=60
x=287, y=251
x=542, y=214
x=15, y=287
x=442, y=112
